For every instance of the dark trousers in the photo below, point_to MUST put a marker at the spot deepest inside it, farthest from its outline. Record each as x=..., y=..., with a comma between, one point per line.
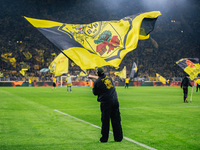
x=126, y=85
x=110, y=111
x=198, y=87
x=185, y=92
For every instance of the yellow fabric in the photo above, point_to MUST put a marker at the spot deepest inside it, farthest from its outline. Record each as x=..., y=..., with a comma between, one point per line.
x=23, y=71
x=198, y=81
x=85, y=59
x=13, y=62
x=29, y=81
x=193, y=70
x=83, y=74
x=59, y=65
x=1, y=74
x=160, y=78
x=28, y=55
x=122, y=39
x=42, y=23
x=69, y=80
x=69, y=84
x=127, y=80
x=121, y=74
x=54, y=80
x=7, y=58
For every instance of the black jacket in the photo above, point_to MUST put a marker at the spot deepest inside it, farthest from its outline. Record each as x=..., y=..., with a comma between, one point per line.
x=105, y=89
x=185, y=83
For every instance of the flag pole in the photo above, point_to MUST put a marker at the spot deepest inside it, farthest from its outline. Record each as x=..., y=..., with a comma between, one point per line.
x=191, y=95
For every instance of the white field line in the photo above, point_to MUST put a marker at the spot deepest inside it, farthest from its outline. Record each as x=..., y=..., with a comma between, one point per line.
x=136, y=108
x=128, y=139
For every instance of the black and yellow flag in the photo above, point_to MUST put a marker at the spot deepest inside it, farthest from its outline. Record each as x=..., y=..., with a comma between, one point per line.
x=99, y=43
x=191, y=66
x=134, y=70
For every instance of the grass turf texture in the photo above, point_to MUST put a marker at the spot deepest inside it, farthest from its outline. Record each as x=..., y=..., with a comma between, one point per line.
x=154, y=116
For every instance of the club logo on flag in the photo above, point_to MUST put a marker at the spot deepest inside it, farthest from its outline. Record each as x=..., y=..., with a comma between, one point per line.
x=100, y=38
x=106, y=39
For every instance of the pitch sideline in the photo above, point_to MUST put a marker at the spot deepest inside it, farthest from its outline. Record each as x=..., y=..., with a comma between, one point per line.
x=128, y=139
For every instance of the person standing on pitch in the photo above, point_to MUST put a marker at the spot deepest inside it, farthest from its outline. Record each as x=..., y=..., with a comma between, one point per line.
x=198, y=84
x=54, y=83
x=29, y=82
x=107, y=96
x=184, y=85
x=127, y=82
x=69, y=83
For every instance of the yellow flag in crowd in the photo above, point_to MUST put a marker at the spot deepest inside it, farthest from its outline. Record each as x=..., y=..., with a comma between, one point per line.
x=23, y=71
x=59, y=65
x=27, y=54
x=83, y=74
x=13, y=62
x=1, y=74
x=161, y=79
x=121, y=74
x=7, y=57
x=99, y=43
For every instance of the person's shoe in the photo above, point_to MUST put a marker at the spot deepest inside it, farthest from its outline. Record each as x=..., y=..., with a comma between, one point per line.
x=102, y=140
x=118, y=140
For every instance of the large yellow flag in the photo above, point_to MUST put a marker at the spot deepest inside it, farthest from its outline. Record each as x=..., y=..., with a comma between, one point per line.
x=161, y=79
x=59, y=65
x=191, y=66
x=121, y=74
x=99, y=43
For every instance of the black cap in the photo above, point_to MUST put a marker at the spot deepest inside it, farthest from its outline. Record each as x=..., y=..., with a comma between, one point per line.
x=100, y=71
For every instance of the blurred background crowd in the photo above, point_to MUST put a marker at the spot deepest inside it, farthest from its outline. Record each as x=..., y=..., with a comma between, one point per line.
x=176, y=34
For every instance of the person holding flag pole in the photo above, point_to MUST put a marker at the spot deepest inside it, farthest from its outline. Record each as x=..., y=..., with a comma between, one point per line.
x=184, y=85
x=192, y=67
x=106, y=94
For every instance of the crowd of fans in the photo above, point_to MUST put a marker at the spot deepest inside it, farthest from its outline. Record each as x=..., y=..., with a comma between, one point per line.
x=169, y=41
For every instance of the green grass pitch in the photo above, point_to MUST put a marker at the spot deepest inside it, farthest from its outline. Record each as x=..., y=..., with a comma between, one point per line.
x=153, y=116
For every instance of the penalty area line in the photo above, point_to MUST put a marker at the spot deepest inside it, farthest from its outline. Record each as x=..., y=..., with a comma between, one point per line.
x=126, y=138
